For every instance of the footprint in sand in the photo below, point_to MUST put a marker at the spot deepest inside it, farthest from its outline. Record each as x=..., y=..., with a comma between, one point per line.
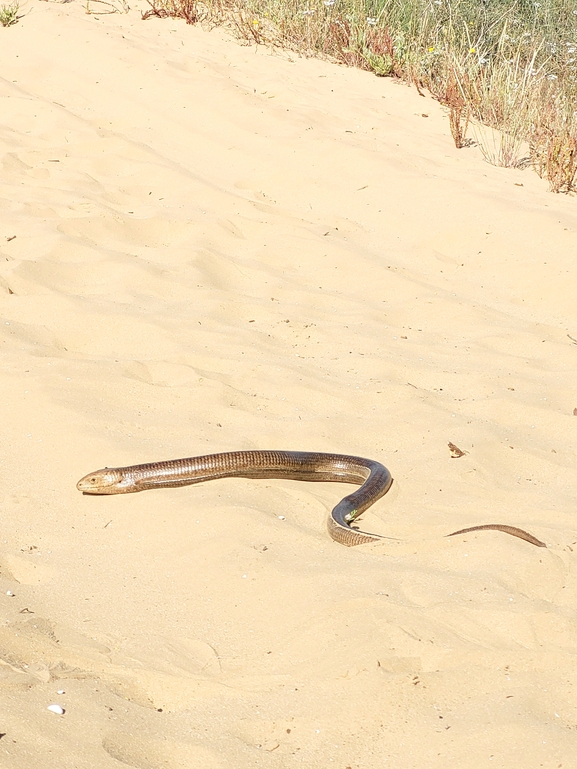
x=25, y=572
x=32, y=645
x=161, y=373
x=124, y=232
x=83, y=277
x=37, y=647
x=267, y=735
x=40, y=341
x=14, y=680
x=144, y=753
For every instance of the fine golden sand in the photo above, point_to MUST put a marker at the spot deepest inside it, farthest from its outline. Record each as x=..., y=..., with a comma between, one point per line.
x=206, y=247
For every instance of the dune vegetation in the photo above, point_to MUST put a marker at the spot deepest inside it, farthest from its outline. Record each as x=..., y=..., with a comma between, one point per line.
x=506, y=65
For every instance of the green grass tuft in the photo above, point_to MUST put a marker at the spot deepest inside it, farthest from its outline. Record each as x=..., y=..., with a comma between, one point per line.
x=9, y=14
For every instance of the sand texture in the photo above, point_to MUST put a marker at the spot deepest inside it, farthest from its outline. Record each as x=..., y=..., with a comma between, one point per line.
x=206, y=247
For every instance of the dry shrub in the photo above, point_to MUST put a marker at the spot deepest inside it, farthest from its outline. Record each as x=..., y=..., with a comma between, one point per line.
x=339, y=44
x=248, y=28
x=503, y=148
x=189, y=10
x=554, y=157
x=379, y=52
x=370, y=49
x=459, y=112
x=553, y=137
x=538, y=150
x=330, y=36
x=562, y=162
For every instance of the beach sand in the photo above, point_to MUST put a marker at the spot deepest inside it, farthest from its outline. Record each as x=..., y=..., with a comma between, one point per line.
x=207, y=247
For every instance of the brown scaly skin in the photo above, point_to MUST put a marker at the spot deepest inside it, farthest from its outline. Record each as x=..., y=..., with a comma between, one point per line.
x=374, y=478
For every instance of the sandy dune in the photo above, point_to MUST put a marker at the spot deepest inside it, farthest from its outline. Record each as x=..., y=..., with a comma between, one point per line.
x=205, y=248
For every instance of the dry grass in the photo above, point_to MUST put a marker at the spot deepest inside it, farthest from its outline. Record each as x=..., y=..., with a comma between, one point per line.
x=454, y=99
x=561, y=163
x=554, y=157
x=189, y=10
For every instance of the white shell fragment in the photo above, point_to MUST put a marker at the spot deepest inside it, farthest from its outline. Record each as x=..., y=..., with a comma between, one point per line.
x=56, y=709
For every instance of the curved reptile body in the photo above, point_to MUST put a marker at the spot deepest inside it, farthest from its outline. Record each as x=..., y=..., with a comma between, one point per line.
x=374, y=479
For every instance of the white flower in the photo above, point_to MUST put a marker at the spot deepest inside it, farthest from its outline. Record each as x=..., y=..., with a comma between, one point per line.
x=371, y=21
x=329, y=3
